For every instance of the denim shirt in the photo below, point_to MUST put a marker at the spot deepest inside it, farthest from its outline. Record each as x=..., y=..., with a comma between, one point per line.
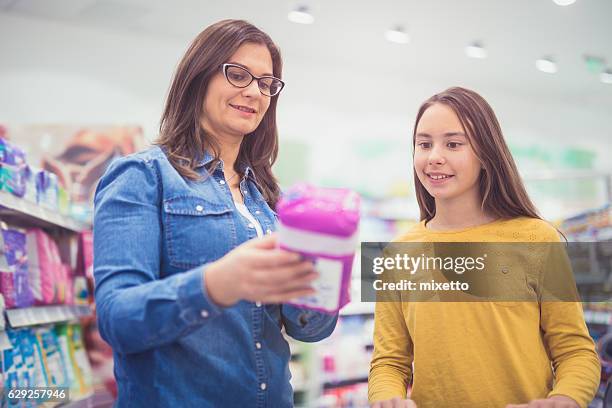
x=154, y=235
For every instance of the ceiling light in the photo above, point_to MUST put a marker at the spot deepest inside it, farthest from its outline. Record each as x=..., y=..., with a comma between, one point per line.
x=397, y=35
x=301, y=15
x=606, y=76
x=564, y=2
x=546, y=65
x=476, y=50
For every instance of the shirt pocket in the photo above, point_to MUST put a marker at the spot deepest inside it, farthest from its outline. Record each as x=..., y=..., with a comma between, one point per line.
x=197, y=231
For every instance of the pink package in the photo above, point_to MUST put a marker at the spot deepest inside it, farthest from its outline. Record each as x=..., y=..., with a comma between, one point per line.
x=68, y=282
x=85, y=255
x=7, y=278
x=45, y=262
x=321, y=224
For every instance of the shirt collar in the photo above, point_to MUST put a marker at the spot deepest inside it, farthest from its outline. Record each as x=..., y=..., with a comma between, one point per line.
x=207, y=158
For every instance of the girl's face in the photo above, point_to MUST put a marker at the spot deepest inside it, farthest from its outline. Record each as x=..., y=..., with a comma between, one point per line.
x=233, y=112
x=443, y=157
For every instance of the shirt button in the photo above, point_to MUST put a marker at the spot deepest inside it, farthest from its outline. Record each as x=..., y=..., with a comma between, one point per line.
x=268, y=231
x=199, y=208
x=258, y=304
x=243, y=191
x=263, y=386
x=257, y=212
x=258, y=345
x=204, y=313
x=251, y=226
x=222, y=182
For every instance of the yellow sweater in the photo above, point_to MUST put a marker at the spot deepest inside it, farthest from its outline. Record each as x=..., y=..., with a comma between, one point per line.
x=485, y=354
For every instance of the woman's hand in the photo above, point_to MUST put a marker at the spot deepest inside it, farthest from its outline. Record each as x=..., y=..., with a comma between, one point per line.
x=556, y=401
x=258, y=271
x=396, y=402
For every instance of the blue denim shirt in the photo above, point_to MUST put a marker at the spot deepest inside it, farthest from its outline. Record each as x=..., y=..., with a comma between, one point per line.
x=154, y=234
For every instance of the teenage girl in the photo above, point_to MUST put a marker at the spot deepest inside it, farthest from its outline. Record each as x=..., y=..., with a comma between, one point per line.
x=477, y=354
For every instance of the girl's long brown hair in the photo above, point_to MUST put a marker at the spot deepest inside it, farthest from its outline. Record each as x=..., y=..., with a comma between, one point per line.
x=501, y=189
x=181, y=133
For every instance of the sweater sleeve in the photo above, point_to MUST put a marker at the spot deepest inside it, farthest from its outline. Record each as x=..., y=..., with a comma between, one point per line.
x=572, y=351
x=391, y=365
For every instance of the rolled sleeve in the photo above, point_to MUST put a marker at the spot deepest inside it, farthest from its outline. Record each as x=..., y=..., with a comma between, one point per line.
x=307, y=325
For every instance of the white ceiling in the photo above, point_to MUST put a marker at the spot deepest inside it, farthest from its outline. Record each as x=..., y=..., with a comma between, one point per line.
x=110, y=61
x=348, y=35
x=341, y=70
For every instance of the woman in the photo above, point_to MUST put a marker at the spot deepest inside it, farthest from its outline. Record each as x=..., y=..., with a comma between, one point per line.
x=189, y=282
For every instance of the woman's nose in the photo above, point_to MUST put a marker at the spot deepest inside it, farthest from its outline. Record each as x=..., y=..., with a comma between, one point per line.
x=252, y=90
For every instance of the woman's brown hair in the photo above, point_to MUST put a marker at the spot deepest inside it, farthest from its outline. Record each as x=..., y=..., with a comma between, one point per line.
x=181, y=133
x=501, y=189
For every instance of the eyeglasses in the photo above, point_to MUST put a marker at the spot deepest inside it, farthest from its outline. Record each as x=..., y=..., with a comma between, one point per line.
x=241, y=78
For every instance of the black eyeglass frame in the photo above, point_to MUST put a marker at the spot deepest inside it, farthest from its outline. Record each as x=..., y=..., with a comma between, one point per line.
x=225, y=67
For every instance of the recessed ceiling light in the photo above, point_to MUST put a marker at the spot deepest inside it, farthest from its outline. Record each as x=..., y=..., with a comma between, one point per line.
x=476, y=50
x=301, y=15
x=564, y=2
x=606, y=76
x=397, y=35
x=546, y=65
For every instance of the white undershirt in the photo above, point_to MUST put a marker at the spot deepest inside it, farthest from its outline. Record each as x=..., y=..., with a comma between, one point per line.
x=242, y=209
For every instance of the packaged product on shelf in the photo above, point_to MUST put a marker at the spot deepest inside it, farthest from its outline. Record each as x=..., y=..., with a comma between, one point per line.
x=2, y=304
x=44, y=263
x=23, y=376
x=47, y=190
x=53, y=359
x=85, y=255
x=81, y=293
x=42, y=377
x=14, y=170
x=32, y=355
x=69, y=276
x=14, y=282
x=63, y=200
x=7, y=279
x=64, y=285
x=84, y=268
x=29, y=373
x=61, y=331
x=82, y=367
x=10, y=375
x=30, y=185
x=321, y=224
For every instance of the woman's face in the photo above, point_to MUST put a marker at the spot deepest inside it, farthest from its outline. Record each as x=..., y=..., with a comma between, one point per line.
x=231, y=112
x=444, y=160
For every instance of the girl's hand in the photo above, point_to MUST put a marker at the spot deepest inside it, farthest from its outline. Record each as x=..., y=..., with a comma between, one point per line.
x=396, y=402
x=258, y=271
x=556, y=401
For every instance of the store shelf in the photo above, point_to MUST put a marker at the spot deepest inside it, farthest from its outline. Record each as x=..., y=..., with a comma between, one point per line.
x=598, y=317
x=345, y=382
x=32, y=316
x=358, y=308
x=600, y=234
x=15, y=209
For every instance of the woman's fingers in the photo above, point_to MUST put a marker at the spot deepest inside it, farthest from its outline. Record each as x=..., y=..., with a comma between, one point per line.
x=281, y=276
